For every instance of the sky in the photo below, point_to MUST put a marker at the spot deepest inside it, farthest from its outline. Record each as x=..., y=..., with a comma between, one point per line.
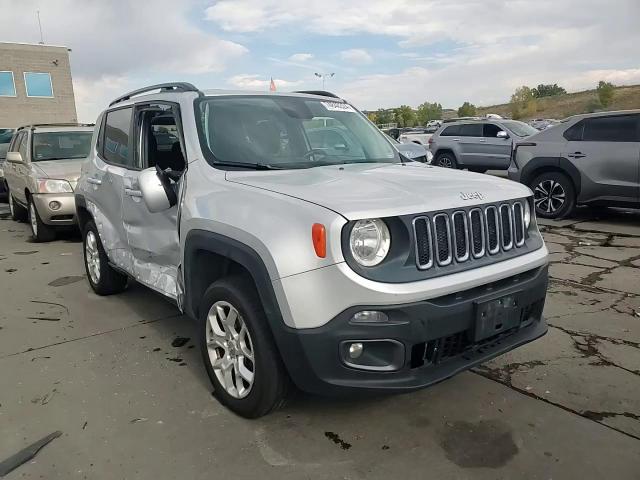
x=383, y=53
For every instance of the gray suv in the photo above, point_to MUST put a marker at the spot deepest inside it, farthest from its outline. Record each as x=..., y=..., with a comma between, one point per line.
x=478, y=145
x=327, y=262
x=587, y=159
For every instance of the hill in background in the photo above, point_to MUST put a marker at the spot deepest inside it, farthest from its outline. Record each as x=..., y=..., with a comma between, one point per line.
x=561, y=106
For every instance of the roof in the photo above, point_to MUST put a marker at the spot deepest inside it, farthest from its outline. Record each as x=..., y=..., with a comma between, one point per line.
x=602, y=114
x=34, y=45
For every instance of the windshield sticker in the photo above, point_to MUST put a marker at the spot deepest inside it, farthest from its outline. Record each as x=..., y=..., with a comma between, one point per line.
x=338, y=107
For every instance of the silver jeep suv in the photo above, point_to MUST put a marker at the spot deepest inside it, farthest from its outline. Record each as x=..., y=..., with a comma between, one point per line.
x=333, y=267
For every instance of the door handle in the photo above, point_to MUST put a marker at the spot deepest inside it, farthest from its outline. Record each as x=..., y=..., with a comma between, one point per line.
x=456, y=139
x=482, y=140
x=94, y=181
x=576, y=155
x=133, y=193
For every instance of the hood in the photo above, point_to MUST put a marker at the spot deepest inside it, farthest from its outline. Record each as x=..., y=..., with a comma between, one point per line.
x=62, y=169
x=382, y=190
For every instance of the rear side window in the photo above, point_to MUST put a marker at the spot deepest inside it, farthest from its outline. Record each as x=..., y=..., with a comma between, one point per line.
x=621, y=128
x=471, y=130
x=451, y=131
x=117, y=141
x=574, y=134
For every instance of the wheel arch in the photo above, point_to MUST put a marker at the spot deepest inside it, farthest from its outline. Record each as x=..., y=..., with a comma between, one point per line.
x=82, y=212
x=539, y=165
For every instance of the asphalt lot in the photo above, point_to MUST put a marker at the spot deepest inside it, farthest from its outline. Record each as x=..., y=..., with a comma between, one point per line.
x=131, y=397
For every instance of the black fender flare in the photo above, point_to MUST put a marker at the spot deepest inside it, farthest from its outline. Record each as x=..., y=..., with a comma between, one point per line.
x=539, y=164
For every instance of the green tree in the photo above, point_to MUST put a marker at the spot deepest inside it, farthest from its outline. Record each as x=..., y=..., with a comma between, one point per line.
x=428, y=111
x=467, y=110
x=384, y=116
x=373, y=117
x=405, y=116
x=605, y=91
x=593, y=106
x=523, y=103
x=548, y=90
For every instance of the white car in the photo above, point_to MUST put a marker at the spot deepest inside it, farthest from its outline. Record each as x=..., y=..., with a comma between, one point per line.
x=417, y=136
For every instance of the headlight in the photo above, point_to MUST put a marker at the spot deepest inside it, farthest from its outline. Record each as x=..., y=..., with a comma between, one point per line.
x=369, y=241
x=527, y=214
x=54, y=186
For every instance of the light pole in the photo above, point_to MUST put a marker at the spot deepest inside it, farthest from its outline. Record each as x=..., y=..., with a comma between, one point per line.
x=323, y=76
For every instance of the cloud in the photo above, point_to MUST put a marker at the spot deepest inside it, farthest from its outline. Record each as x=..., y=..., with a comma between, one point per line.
x=356, y=56
x=247, y=81
x=301, y=57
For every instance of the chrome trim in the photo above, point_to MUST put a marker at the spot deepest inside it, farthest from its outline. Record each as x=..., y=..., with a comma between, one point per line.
x=482, y=233
x=509, y=246
x=464, y=257
x=429, y=238
x=497, y=219
x=435, y=239
x=521, y=225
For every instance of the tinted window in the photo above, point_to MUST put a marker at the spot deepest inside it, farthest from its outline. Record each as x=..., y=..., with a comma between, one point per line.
x=7, y=87
x=451, y=131
x=61, y=145
x=490, y=130
x=38, y=84
x=622, y=128
x=116, y=137
x=574, y=134
x=471, y=130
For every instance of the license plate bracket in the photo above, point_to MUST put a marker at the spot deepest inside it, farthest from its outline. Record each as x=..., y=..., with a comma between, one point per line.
x=496, y=316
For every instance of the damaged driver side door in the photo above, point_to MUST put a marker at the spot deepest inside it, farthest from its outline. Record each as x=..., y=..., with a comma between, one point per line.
x=153, y=237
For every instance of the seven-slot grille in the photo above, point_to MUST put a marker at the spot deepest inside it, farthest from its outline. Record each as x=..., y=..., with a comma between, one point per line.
x=467, y=234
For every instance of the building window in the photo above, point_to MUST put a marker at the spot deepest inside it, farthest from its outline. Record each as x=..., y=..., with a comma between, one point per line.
x=7, y=85
x=38, y=84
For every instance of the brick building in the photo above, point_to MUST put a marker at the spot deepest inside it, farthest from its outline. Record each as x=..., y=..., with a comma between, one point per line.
x=35, y=85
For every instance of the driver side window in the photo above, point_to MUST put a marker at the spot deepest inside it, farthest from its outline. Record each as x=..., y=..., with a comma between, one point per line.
x=490, y=130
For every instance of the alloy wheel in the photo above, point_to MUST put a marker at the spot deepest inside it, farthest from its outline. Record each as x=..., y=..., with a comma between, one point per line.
x=445, y=162
x=92, y=257
x=11, y=207
x=230, y=349
x=33, y=219
x=549, y=196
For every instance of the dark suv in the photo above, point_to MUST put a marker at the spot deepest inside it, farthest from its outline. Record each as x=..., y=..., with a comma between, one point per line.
x=586, y=159
x=478, y=145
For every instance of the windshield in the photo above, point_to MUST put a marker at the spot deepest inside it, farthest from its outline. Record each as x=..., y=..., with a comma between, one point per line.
x=288, y=132
x=519, y=128
x=61, y=145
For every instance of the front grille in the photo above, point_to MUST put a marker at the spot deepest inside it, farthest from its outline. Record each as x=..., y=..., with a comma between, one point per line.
x=464, y=235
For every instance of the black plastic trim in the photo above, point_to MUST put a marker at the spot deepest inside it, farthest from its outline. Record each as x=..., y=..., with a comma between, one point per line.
x=537, y=165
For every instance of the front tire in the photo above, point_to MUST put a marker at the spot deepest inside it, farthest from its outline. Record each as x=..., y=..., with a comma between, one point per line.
x=238, y=349
x=18, y=213
x=446, y=160
x=103, y=278
x=553, y=195
x=40, y=231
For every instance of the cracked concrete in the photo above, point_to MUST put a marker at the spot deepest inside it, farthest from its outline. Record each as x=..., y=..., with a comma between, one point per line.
x=565, y=406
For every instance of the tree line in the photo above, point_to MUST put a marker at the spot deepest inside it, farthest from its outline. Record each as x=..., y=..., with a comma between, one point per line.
x=523, y=104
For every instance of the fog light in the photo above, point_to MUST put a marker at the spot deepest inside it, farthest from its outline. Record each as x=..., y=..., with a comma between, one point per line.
x=355, y=350
x=54, y=205
x=370, y=316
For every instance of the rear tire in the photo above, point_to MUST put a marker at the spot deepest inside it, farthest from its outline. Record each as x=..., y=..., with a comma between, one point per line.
x=238, y=349
x=446, y=160
x=103, y=278
x=40, y=231
x=18, y=213
x=554, y=195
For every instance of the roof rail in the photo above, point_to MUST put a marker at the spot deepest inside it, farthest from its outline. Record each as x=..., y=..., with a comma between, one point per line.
x=322, y=93
x=167, y=87
x=62, y=124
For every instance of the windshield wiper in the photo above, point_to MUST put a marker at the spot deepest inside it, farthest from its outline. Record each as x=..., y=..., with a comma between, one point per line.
x=254, y=166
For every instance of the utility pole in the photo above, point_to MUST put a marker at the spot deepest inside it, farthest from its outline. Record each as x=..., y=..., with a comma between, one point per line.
x=323, y=76
x=40, y=26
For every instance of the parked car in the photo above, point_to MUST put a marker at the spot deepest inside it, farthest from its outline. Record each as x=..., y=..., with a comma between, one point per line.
x=413, y=151
x=6, y=134
x=543, y=123
x=41, y=171
x=477, y=145
x=420, y=136
x=339, y=272
x=587, y=159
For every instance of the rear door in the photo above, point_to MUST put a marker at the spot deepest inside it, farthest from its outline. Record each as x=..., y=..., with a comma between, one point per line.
x=471, y=144
x=496, y=151
x=606, y=151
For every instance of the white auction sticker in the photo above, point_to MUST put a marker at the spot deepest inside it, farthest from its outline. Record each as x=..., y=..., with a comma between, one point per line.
x=338, y=107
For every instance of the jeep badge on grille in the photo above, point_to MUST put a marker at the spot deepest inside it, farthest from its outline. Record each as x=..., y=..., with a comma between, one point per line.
x=471, y=196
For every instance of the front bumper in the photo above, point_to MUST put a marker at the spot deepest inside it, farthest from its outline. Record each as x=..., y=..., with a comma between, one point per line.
x=64, y=215
x=437, y=337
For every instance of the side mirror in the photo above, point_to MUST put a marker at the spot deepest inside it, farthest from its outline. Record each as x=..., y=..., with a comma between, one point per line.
x=502, y=134
x=14, y=157
x=157, y=192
